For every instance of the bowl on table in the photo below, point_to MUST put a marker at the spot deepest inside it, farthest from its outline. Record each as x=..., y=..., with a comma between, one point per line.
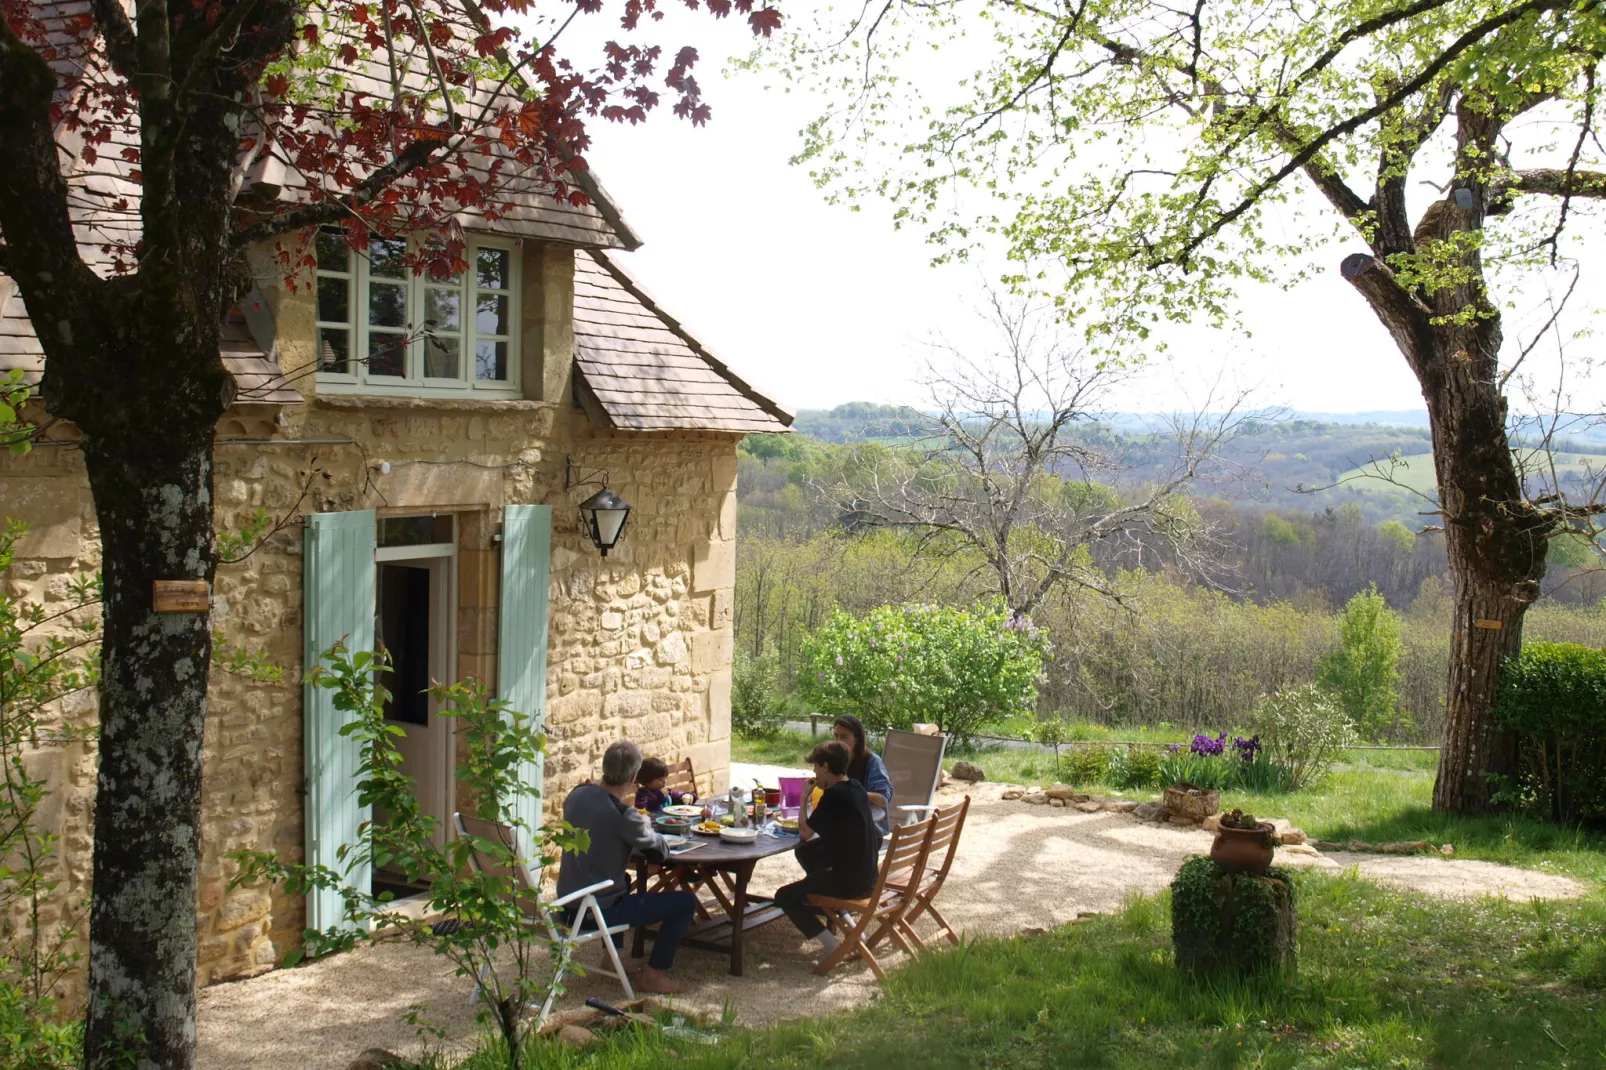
x=738, y=835
x=671, y=825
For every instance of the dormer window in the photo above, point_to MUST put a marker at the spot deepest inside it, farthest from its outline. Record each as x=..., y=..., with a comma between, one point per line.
x=384, y=330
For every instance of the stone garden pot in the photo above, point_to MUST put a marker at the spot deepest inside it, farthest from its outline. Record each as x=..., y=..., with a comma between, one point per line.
x=1244, y=850
x=1191, y=802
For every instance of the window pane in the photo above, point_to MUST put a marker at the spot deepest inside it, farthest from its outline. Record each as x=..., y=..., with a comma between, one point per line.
x=387, y=305
x=490, y=361
x=387, y=354
x=334, y=350
x=442, y=357
x=385, y=257
x=491, y=268
x=490, y=316
x=441, y=309
x=333, y=252
x=414, y=530
x=334, y=300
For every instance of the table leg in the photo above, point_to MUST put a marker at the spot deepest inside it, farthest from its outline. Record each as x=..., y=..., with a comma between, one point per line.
x=739, y=916
x=638, y=935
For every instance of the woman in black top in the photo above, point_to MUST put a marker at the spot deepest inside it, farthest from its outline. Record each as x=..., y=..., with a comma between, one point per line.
x=839, y=848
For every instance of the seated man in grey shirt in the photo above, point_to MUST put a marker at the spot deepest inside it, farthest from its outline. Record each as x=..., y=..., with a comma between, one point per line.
x=617, y=829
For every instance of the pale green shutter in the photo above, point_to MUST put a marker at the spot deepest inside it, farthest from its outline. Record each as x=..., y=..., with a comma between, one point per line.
x=521, y=640
x=338, y=601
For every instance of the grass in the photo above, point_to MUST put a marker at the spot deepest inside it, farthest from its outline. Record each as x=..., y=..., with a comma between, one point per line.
x=1416, y=471
x=1384, y=979
x=1375, y=796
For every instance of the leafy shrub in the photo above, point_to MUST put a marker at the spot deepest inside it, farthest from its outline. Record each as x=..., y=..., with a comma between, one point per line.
x=45, y=656
x=1135, y=768
x=757, y=710
x=1363, y=674
x=1088, y=765
x=958, y=669
x=1302, y=730
x=1200, y=770
x=28, y=1038
x=1553, y=696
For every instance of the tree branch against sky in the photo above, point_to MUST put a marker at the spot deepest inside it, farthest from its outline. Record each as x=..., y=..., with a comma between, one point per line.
x=221, y=129
x=1011, y=468
x=1145, y=162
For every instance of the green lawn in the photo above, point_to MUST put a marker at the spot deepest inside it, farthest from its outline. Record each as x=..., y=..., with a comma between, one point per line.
x=1384, y=980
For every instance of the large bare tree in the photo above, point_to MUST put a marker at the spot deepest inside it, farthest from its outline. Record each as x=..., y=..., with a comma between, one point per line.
x=1016, y=470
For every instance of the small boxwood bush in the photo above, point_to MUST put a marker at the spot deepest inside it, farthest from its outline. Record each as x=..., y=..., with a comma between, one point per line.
x=1087, y=765
x=1135, y=768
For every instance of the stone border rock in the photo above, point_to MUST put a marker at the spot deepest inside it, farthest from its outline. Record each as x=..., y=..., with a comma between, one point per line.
x=1402, y=847
x=1067, y=797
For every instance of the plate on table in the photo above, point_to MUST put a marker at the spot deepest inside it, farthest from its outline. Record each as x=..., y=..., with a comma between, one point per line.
x=684, y=811
x=738, y=835
x=708, y=828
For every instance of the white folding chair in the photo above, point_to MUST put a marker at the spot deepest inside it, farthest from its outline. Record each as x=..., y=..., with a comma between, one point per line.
x=583, y=902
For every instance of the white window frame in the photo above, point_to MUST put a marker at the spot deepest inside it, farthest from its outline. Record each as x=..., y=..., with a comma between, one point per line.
x=414, y=384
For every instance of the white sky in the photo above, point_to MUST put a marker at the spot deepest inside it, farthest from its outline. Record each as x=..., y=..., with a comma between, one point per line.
x=818, y=305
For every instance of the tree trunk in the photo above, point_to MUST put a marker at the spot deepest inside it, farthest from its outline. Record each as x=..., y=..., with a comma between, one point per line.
x=1495, y=537
x=153, y=498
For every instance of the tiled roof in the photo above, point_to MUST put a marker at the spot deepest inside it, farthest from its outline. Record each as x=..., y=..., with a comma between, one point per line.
x=104, y=203
x=640, y=370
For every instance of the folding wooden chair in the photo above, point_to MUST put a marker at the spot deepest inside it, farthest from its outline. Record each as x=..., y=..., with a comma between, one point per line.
x=946, y=826
x=564, y=940
x=901, y=868
x=682, y=778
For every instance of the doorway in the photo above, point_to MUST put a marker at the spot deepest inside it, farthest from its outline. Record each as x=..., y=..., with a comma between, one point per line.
x=415, y=605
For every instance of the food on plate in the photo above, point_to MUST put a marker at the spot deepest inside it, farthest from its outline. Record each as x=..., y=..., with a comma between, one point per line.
x=708, y=828
x=788, y=823
x=727, y=820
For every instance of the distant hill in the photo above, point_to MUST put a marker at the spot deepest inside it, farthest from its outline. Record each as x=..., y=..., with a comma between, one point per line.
x=1308, y=461
x=1385, y=417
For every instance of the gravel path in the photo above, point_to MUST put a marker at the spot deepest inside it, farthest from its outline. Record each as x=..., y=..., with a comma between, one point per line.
x=1019, y=867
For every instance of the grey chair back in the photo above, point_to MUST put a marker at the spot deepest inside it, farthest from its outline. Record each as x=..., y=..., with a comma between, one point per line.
x=914, y=763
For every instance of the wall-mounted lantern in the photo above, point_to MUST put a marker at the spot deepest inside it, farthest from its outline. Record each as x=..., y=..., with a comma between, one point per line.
x=602, y=515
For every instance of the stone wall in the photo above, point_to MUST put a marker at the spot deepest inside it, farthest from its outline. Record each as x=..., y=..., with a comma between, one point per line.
x=639, y=643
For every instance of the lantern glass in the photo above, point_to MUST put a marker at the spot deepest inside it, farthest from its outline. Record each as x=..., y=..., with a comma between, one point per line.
x=604, y=515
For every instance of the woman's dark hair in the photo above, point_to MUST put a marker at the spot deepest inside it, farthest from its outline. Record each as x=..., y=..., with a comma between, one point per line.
x=859, y=762
x=833, y=755
x=651, y=769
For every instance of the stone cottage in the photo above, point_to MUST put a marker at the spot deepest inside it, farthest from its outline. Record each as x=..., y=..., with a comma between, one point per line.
x=431, y=483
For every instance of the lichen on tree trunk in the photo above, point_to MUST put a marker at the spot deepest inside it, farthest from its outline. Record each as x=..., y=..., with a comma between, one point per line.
x=153, y=500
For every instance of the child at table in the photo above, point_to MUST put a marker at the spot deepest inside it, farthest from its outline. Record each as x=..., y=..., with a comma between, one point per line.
x=650, y=793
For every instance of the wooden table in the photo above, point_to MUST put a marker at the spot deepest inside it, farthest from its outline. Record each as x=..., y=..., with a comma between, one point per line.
x=724, y=869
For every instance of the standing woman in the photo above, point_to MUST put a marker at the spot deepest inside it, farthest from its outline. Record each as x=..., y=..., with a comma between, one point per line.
x=865, y=766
